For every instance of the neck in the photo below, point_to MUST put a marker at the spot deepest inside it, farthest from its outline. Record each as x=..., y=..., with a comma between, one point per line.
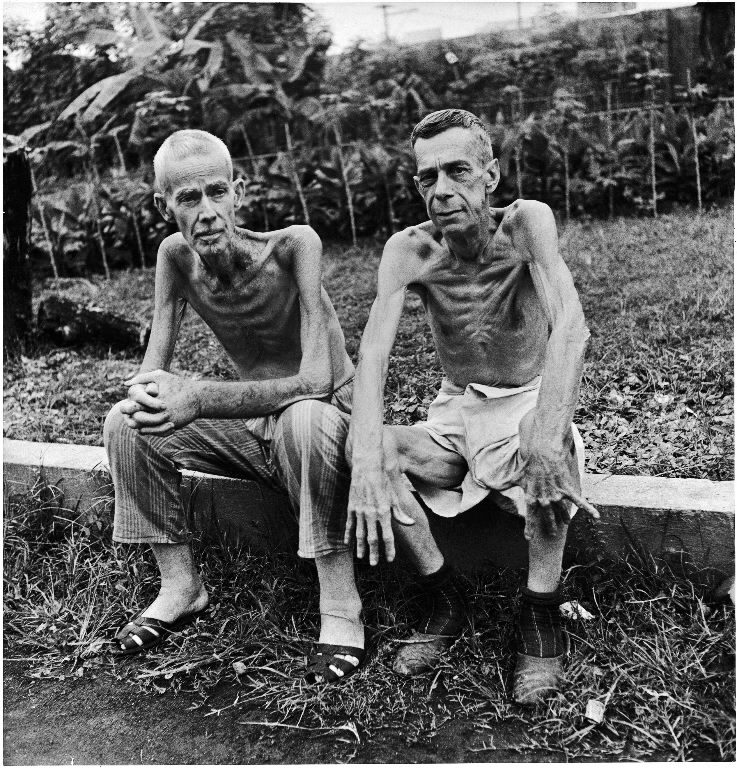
x=474, y=243
x=223, y=265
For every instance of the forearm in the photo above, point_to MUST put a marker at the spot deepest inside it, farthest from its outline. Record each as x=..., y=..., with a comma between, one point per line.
x=246, y=399
x=561, y=381
x=367, y=418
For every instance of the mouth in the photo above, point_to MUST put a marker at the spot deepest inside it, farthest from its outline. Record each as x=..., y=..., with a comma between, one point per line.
x=446, y=214
x=209, y=237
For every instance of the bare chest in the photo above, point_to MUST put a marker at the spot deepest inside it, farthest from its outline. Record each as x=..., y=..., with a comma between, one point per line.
x=255, y=311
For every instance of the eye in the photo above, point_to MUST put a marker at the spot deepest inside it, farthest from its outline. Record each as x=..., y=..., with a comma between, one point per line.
x=459, y=172
x=427, y=180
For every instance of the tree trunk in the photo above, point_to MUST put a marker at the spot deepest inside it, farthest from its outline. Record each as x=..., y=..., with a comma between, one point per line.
x=69, y=323
x=17, y=311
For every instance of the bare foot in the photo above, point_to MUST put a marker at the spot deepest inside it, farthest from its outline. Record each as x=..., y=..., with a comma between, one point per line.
x=337, y=630
x=173, y=603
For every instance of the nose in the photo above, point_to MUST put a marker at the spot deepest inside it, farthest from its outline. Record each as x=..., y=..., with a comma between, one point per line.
x=443, y=188
x=207, y=212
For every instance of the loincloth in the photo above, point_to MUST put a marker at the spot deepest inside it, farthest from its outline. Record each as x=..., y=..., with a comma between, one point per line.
x=481, y=424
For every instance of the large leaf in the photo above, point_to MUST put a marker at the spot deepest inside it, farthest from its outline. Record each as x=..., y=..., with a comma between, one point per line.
x=99, y=37
x=92, y=101
x=256, y=67
x=197, y=27
x=33, y=131
x=214, y=62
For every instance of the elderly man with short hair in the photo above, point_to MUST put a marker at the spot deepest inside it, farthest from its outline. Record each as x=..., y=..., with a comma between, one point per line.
x=282, y=423
x=510, y=335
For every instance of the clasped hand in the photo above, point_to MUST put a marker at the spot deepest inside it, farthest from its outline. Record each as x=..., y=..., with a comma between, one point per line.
x=372, y=505
x=159, y=402
x=546, y=479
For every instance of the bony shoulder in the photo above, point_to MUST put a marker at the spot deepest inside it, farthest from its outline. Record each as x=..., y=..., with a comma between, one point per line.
x=301, y=235
x=523, y=211
x=417, y=240
x=173, y=246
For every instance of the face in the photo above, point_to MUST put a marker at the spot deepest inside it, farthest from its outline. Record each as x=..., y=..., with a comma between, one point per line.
x=202, y=200
x=452, y=180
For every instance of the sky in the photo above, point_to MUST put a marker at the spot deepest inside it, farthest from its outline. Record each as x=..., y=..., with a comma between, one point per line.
x=356, y=19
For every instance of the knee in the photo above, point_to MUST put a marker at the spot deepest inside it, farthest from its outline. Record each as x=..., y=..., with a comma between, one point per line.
x=395, y=452
x=308, y=421
x=114, y=423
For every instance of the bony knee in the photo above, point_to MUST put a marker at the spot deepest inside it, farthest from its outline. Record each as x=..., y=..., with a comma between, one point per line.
x=114, y=422
x=310, y=418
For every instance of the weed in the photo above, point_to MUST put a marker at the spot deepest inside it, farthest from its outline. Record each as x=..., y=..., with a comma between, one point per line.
x=658, y=655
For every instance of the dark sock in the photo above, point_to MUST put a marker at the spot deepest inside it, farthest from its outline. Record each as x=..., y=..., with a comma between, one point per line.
x=447, y=603
x=539, y=631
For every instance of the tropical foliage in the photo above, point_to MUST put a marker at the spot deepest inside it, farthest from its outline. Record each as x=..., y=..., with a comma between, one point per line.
x=99, y=89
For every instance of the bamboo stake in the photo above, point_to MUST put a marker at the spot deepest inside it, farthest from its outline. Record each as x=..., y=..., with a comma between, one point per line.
x=652, y=155
x=256, y=173
x=44, y=225
x=695, y=144
x=347, y=187
x=568, y=184
x=295, y=175
x=387, y=187
x=609, y=141
x=131, y=213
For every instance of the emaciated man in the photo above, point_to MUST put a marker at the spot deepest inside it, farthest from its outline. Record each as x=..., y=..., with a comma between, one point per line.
x=283, y=423
x=510, y=335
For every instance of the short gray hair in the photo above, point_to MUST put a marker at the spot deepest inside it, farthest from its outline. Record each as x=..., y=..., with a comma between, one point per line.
x=183, y=144
x=445, y=119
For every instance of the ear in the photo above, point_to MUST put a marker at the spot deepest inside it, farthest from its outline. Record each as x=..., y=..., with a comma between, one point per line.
x=416, y=180
x=239, y=191
x=163, y=208
x=493, y=175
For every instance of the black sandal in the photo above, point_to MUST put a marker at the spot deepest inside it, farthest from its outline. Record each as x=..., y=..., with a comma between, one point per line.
x=141, y=634
x=333, y=662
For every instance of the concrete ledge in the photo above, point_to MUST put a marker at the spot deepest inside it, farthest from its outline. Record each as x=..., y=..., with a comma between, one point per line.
x=687, y=521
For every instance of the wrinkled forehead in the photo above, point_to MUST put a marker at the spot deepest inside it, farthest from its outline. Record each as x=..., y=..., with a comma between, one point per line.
x=195, y=170
x=455, y=144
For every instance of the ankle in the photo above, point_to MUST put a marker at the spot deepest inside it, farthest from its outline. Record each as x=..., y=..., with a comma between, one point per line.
x=447, y=609
x=540, y=631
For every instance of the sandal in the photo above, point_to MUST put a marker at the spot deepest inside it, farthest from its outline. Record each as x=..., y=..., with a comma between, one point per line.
x=333, y=662
x=142, y=634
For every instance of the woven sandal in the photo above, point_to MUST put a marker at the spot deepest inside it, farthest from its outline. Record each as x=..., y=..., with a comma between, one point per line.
x=333, y=662
x=535, y=679
x=141, y=634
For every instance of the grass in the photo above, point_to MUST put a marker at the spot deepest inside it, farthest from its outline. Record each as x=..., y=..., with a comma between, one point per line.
x=656, y=399
x=658, y=654
x=657, y=392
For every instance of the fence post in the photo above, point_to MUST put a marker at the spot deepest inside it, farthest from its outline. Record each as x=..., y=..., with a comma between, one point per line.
x=651, y=111
x=44, y=225
x=255, y=171
x=17, y=308
x=609, y=142
x=295, y=175
x=344, y=174
x=695, y=142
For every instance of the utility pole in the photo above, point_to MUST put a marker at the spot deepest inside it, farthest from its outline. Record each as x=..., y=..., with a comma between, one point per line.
x=385, y=10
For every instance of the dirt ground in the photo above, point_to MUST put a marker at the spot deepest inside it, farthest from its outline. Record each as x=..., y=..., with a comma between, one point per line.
x=99, y=720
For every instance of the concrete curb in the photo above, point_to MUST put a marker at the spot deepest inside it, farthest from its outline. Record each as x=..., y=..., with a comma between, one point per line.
x=682, y=520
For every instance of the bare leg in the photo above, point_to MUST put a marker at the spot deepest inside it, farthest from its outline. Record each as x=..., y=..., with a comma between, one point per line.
x=340, y=604
x=410, y=450
x=539, y=667
x=182, y=590
x=546, y=552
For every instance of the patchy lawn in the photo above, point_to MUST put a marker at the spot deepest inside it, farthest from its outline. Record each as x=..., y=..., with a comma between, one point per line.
x=657, y=389
x=658, y=654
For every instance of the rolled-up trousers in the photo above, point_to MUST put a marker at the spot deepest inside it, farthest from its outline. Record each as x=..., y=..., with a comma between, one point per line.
x=300, y=450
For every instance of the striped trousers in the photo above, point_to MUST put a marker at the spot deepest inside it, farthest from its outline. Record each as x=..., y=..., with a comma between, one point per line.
x=300, y=450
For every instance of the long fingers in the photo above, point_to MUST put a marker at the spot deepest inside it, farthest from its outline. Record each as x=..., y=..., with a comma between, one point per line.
x=581, y=503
